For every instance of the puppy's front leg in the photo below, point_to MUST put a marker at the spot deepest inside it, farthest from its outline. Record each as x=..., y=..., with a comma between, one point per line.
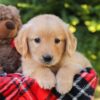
x=45, y=78
x=65, y=78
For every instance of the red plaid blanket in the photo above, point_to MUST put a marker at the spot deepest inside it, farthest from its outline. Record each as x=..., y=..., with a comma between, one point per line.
x=19, y=87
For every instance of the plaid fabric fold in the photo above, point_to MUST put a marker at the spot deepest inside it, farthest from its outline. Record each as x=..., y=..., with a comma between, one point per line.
x=19, y=87
x=83, y=87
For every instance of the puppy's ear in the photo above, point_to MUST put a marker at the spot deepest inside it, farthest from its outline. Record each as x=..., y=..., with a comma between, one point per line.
x=21, y=42
x=71, y=41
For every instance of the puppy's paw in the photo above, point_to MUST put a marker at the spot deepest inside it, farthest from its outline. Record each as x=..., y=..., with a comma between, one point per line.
x=63, y=86
x=64, y=83
x=46, y=80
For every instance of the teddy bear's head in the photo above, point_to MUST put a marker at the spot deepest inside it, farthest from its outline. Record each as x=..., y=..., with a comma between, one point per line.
x=10, y=21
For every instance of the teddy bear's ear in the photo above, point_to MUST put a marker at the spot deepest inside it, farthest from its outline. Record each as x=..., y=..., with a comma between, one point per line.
x=21, y=42
x=14, y=10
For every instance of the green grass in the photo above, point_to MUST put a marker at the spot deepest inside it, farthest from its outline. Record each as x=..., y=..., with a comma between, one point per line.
x=97, y=93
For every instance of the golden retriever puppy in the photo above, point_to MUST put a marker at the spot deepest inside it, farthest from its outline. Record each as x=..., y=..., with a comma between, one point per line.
x=48, y=52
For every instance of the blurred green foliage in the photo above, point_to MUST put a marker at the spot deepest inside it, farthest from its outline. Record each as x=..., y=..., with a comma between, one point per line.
x=82, y=15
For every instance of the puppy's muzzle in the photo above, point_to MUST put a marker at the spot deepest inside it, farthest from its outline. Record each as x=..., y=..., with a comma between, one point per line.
x=47, y=58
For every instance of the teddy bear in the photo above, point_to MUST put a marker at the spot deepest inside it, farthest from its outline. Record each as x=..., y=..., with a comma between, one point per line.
x=10, y=23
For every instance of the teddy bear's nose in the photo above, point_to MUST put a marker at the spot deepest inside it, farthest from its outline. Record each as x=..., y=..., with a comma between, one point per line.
x=10, y=25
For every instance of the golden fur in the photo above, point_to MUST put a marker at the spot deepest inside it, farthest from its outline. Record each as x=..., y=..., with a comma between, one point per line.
x=66, y=61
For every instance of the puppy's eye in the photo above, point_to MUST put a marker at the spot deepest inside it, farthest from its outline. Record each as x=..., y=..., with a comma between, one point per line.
x=57, y=40
x=37, y=40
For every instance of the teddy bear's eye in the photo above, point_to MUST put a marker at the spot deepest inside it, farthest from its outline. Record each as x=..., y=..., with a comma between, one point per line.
x=57, y=40
x=37, y=40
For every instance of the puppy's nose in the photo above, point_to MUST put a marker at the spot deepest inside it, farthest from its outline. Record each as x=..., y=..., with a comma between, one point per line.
x=47, y=58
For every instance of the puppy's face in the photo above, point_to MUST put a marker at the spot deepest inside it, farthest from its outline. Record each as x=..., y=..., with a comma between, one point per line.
x=45, y=39
x=46, y=43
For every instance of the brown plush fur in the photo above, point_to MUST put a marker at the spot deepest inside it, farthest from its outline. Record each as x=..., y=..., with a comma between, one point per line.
x=48, y=35
x=9, y=58
x=10, y=23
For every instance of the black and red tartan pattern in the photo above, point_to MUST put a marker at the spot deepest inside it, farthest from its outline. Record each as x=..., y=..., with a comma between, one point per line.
x=19, y=87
